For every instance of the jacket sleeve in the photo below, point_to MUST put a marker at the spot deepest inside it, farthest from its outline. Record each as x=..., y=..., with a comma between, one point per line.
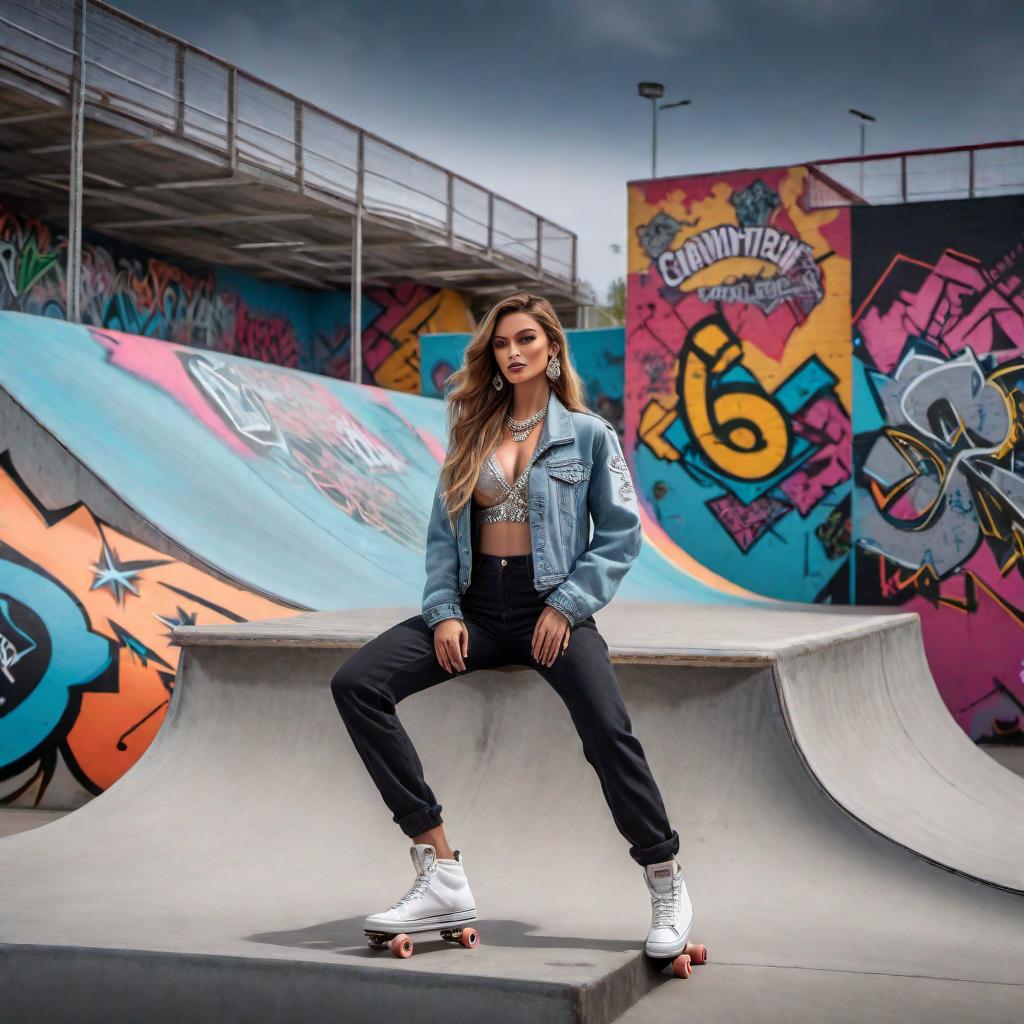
x=617, y=535
x=441, y=591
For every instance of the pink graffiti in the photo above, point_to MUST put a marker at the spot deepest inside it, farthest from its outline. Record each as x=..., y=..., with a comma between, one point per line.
x=957, y=305
x=396, y=304
x=745, y=523
x=264, y=336
x=826, y=424
x=159, y=363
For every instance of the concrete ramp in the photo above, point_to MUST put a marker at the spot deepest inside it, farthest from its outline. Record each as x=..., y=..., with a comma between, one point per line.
x=146, y=483
x=821, y=834
x=308, y=490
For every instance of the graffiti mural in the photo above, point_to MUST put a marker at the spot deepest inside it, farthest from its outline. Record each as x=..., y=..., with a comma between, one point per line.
x=86, y=670
x=287, y=427
x=738, y=389
x=393, y=320
x=127, y=289
x=939, y=444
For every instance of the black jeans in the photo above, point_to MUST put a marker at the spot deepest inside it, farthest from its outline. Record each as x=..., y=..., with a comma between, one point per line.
x=501, y=609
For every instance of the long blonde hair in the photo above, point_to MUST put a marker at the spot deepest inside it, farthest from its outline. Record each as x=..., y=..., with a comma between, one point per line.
x=475, y=412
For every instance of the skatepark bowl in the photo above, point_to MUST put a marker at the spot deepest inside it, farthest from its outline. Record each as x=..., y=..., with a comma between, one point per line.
x=851, y=854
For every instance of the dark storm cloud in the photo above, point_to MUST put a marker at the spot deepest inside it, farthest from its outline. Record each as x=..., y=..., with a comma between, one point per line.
x=537, y=99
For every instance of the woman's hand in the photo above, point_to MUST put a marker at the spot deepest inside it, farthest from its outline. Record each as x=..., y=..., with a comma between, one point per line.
x=550, y=636
x=451, y=644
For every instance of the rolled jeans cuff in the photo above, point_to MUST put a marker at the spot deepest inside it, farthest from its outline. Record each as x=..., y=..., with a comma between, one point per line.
x=420, y=821
x=657, y=853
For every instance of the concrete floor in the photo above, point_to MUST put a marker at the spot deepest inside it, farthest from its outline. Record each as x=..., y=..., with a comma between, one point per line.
x=839, y=856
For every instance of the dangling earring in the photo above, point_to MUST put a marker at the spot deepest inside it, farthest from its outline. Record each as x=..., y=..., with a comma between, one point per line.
x=497, y=381
x=554, y=370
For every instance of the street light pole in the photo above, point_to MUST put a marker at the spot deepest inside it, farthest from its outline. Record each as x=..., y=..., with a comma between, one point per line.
x=654, y=139
x=653, y=91
x=864, y=118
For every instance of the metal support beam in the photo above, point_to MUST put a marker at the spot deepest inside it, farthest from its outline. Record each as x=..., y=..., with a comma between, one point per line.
x=205, y=220
x=501, y=288
x=356, y=326
x=179, y=90
x=42, y=115
x=59, y=147
x=232, y=125
x=73, y=273
x=300, y=166
x=450, y=211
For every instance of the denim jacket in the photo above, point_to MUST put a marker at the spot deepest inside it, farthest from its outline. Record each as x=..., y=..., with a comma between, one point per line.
x=578, y=472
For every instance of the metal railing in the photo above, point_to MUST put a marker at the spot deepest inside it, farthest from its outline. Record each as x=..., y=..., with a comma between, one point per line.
x=164, y=83
x=953, y=172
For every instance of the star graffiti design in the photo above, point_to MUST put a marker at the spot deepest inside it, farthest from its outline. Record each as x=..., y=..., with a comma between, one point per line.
x=116, y=575
x=182, y=618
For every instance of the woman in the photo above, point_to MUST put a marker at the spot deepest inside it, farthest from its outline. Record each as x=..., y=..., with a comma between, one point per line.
x=513, y=578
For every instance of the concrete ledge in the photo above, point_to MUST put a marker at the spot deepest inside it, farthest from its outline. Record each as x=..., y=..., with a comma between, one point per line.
x=127, y=986
x=637, y=632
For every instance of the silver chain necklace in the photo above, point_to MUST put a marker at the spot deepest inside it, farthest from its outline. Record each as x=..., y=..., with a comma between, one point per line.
x=521, y=428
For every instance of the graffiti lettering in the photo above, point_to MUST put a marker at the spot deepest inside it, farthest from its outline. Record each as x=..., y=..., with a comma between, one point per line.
x=728, y=242
x=766, y=293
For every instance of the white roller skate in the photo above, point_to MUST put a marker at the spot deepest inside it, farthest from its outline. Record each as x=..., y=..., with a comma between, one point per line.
x=438, y=900
x=671, y=918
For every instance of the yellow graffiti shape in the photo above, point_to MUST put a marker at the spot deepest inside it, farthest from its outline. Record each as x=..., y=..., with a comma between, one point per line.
x=655, y=418
x=740, y=430
x=444, y=311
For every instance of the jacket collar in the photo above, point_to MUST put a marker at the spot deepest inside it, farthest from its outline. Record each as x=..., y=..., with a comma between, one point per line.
x=558, y=426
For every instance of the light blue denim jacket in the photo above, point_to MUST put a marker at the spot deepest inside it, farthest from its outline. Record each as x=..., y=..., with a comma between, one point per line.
x=578, y=472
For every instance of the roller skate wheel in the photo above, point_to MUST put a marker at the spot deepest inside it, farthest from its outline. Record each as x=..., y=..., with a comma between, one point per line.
x=698, y=953
x=681, y=966
x=401, y=946
x=469, y=937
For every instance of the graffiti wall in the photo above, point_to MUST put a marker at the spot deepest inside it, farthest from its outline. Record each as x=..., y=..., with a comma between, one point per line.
x=738, y=384
x=86, y=671
x=393, y=321
x=131, y=290
x=938, y=335
x=310, y=490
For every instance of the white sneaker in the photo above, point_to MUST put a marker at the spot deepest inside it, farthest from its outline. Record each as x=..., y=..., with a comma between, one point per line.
x=671, y=909
x=440, y=896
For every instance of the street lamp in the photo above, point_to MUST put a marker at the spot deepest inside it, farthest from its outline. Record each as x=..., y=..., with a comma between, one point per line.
x=653, y=91
x=864, y=118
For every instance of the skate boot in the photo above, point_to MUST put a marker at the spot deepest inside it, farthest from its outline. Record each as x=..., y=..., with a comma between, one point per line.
x=671, y=909
x=439, y=896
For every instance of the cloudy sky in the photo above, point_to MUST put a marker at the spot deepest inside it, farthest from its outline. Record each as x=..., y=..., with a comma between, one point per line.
x=537, y=99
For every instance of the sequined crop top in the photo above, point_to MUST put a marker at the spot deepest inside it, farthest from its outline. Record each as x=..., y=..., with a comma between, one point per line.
x=506, y=503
